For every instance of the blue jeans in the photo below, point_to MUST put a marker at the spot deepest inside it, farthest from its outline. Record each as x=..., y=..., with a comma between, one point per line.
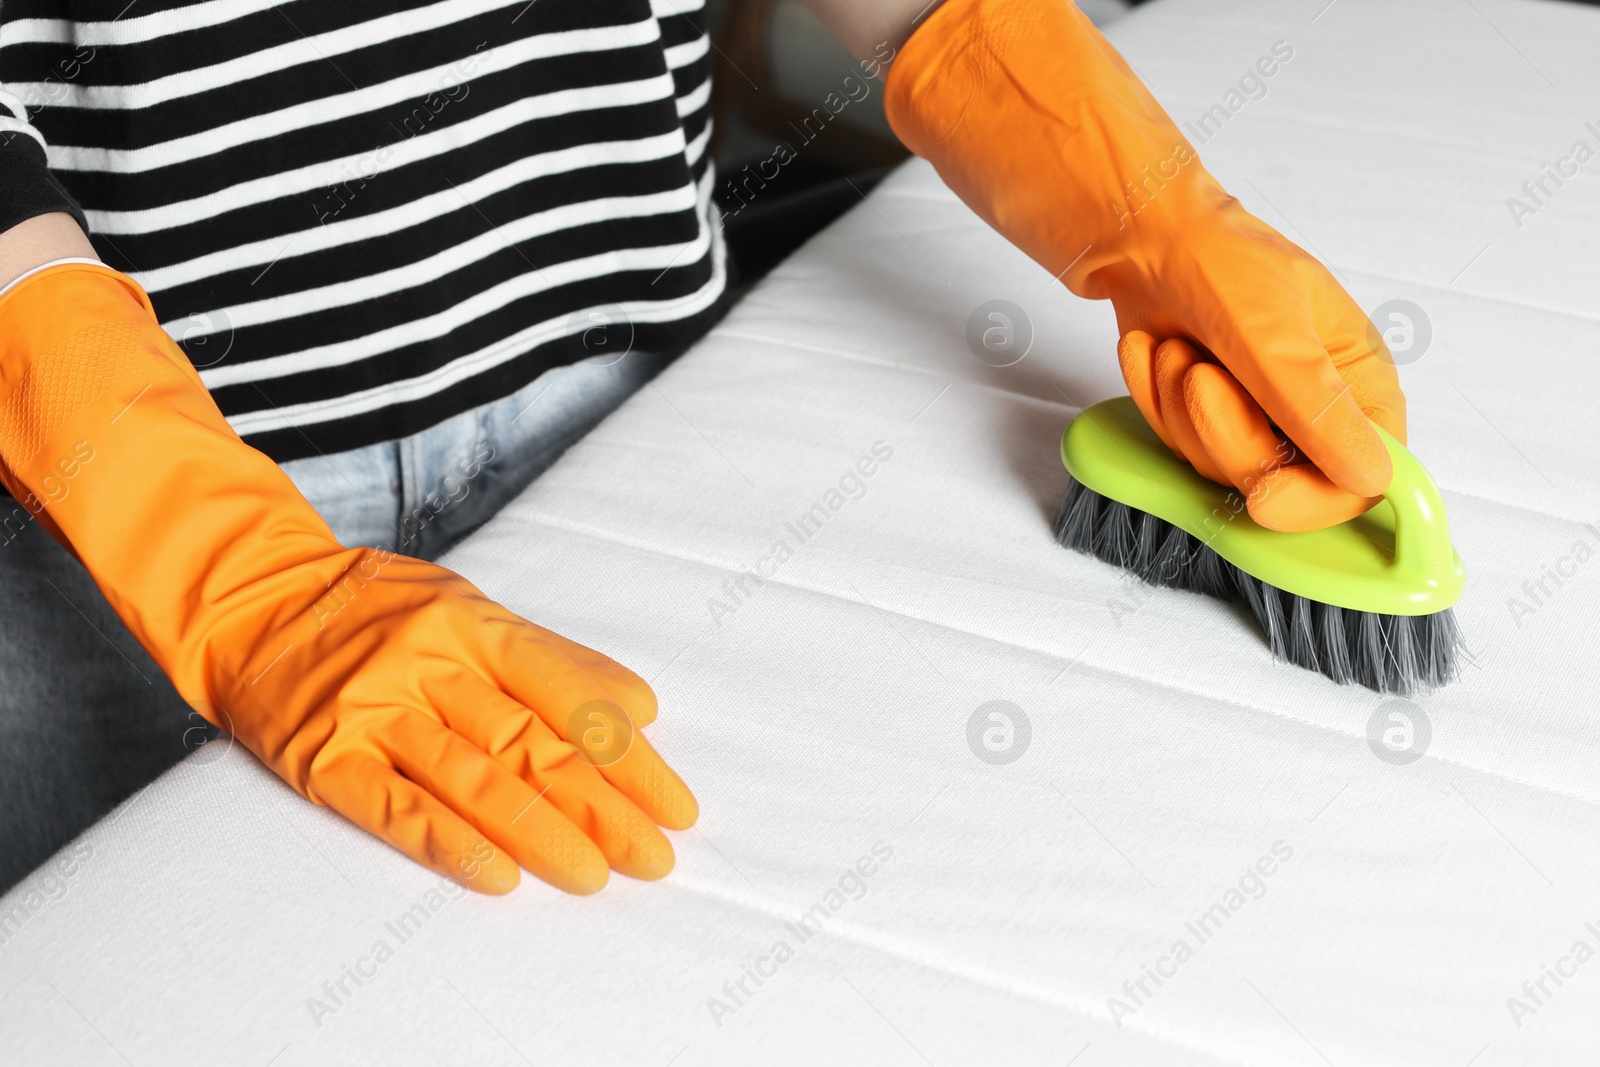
x=86, y=717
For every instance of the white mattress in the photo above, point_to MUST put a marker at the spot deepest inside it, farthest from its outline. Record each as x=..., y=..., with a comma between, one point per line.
x=826, y=714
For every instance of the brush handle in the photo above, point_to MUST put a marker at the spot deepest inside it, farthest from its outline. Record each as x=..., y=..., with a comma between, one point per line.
x=1421, y=530
x=1396, y=560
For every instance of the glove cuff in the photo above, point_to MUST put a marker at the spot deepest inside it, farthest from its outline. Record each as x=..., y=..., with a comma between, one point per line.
x=1035, y=121
x=111, y=441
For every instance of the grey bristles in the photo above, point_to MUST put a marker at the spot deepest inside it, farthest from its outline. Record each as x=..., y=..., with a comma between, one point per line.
x=1334, y=644
x=1388, y=653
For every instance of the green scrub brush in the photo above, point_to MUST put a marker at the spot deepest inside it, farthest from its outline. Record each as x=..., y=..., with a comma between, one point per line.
x=1367, y=601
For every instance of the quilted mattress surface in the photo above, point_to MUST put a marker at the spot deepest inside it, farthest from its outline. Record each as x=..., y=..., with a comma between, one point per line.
x=967, y=797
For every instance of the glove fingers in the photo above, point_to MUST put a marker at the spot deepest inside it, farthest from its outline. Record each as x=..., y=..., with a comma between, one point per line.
x=1377, y=394
x=1136, y=354
x=642, y=776
x=1281, y=494
x=506, y=809
x=1339, y=439
x=552, y=667
x=1174, y=359
x=1232, y=427
x=537, y=673
x=580, y=713
x=1299, y=498
x=1362, y=358
x=624, y=686
x=398, y=811
x=523, y=744
x=1278, y=357
x=632, y=844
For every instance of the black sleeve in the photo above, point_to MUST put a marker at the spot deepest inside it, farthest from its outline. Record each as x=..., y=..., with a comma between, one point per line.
x=27, y=188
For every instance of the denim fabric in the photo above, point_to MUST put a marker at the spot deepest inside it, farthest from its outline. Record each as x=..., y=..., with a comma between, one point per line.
x=86, y=717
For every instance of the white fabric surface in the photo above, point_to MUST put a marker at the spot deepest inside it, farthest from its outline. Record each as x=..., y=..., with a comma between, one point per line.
x=828, y=712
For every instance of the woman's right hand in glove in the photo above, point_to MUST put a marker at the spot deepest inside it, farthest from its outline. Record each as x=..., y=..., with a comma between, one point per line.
x=1244, y=353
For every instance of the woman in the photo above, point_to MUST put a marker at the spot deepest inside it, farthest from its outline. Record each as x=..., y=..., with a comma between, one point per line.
x=296, y=294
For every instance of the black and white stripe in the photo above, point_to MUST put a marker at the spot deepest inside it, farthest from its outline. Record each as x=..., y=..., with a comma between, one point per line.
x=362, y=218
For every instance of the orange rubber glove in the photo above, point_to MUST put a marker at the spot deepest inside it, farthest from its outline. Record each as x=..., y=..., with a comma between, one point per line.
x=386, y=687
x=1032, y=118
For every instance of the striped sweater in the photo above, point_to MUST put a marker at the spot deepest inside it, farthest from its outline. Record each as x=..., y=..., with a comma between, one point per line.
x=361, y=218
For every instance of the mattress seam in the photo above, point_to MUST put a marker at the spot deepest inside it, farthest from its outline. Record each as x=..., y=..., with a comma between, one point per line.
x=1103, y=669
x=1067, y=405
x=931, y=961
